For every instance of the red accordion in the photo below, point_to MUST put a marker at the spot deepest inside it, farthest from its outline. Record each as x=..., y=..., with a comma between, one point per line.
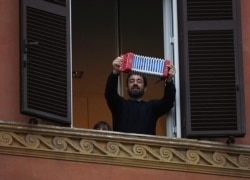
x=145, y=65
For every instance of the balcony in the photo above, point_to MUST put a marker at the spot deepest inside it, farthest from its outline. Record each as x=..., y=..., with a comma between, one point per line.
x=120, y=149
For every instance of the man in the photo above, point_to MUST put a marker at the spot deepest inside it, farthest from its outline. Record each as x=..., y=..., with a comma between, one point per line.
x=134, y=115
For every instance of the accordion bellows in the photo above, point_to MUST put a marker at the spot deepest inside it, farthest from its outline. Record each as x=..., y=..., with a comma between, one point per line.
x=144, y=65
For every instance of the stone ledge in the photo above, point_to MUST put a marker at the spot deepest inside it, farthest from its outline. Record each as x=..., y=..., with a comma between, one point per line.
x=86, y=145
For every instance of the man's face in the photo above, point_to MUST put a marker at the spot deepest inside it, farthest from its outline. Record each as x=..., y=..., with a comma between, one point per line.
x=135, y=86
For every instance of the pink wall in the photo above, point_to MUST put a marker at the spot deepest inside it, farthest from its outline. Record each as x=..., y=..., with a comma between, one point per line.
x=34, y=168
x=245, y=5
x=9, y=62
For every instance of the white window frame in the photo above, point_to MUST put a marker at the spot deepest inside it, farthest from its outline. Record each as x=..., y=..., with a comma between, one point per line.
x=171, y=52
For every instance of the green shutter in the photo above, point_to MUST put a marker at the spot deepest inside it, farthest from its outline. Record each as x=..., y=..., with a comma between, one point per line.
x=45, y=60
x=211, y=68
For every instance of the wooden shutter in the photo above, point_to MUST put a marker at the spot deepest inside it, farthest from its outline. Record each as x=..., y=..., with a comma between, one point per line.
x=45, y=59
x=211, y=68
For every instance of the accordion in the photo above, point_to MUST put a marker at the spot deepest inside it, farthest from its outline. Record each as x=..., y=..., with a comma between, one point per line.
x=144, y=65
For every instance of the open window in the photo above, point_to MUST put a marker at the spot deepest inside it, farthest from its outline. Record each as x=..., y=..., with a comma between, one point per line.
x=210, y=60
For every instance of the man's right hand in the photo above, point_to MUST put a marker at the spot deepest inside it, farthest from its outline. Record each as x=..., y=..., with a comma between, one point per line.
x=116, y=65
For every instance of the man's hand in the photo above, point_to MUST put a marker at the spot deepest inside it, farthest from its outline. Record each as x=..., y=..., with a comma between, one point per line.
x=171, y=73
x=116, y=65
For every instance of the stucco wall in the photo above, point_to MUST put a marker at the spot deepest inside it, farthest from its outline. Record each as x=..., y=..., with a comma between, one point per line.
x=22, y=168
x=245, y=4
x=9, y=62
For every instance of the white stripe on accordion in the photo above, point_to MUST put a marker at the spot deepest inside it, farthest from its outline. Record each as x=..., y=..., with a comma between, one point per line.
x=148, y=65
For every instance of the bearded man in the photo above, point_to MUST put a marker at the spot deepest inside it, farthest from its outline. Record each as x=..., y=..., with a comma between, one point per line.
x=134, y=115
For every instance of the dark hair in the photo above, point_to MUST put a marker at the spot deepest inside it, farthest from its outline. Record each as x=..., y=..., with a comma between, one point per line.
x=100, y=124
x=135, y=73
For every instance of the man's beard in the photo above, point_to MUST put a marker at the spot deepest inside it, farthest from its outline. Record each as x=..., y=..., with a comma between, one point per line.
x=135, y=93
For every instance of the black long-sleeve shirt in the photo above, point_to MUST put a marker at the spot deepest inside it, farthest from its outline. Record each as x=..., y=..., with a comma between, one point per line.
x=137, y=116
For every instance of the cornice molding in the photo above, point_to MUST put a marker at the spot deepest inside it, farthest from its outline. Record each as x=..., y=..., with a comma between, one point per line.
x=106, y=147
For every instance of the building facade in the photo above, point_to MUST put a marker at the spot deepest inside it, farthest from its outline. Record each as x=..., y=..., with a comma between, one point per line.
x=52, y=150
